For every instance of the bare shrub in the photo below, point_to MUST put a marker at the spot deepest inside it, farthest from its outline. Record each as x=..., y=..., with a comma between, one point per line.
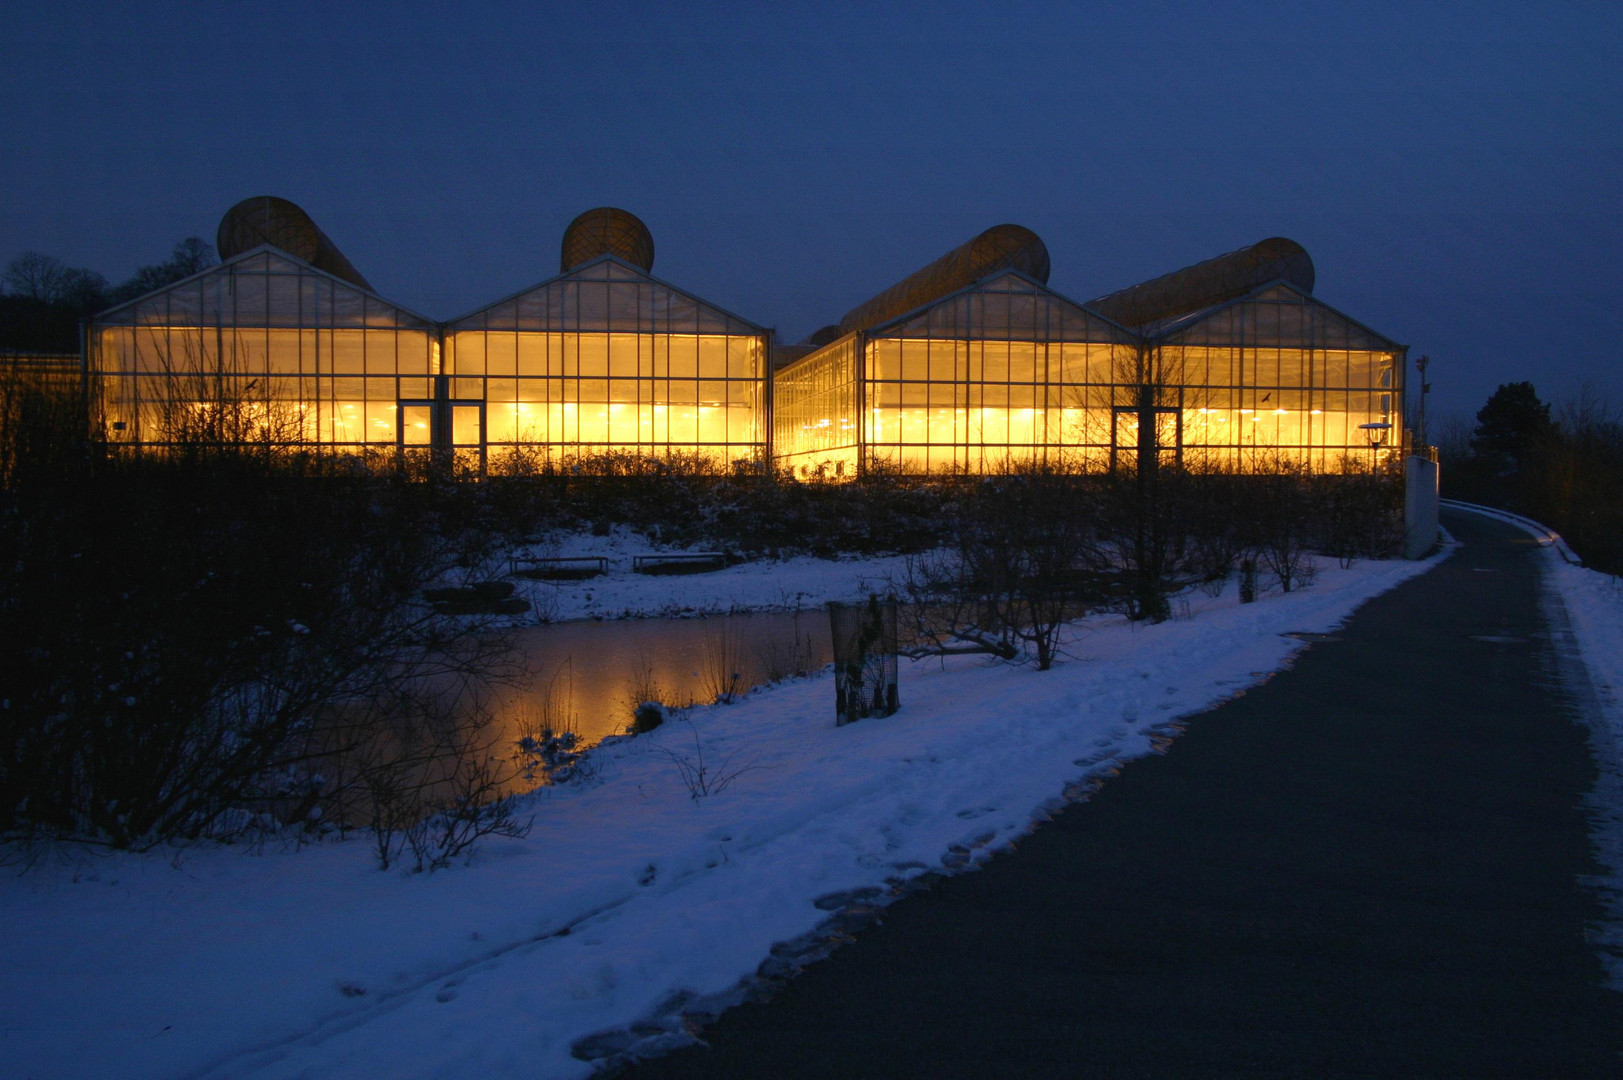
x=185, y=624
x=1026, y=558
x=701, y=778
x=721, y=669
x=1281, y=521
x=435, y=780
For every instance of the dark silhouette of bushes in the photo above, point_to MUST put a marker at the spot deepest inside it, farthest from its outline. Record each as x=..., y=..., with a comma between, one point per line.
x=1562, y=467
x=177, y=626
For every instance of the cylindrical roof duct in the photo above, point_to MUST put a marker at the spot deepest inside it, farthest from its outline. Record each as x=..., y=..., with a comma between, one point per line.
x=265, y=219
x=1000, y=247
x=606, y=230
x=1210, y=282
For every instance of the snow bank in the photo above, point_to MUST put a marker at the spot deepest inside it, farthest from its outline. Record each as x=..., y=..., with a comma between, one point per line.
x=629, y=900
x=762, y=585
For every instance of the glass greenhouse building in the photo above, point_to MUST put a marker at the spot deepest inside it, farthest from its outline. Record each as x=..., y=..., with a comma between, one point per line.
x=1004, y=371
x=605, y=358
x=264, y=349
x=1275, y=376
x=968, y=366
x=1228, y=365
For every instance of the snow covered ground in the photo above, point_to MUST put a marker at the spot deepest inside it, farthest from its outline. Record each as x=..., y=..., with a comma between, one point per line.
x=764, y=585
x=630, y=901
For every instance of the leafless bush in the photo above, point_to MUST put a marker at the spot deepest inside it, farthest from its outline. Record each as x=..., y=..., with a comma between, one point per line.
x=699, y=777
x=1281, y=520
x=183, y=627
x=642, y=684
x=948, y=612
x=1026, y=558
x=435, y=781
x=721, y=670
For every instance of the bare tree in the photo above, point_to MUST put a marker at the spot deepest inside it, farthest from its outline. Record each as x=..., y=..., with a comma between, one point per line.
x=37, y=276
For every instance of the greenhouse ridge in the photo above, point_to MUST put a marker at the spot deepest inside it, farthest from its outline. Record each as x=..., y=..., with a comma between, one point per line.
x=969, y=365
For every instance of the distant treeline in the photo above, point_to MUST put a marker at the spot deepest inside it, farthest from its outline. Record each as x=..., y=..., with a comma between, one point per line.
x=1562, y=467
x=43, y=299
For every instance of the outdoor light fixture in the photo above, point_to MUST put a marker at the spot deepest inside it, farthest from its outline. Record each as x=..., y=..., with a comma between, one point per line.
x=1377, y=435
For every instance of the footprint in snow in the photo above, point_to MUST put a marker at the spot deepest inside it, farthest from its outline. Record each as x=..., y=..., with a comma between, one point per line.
x=975, y=812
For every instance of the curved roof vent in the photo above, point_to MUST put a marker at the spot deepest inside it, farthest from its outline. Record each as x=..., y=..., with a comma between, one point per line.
x=822, y=336
x=265, y=219
x=606, y=230
x=1210, y=282
x=1000, y=247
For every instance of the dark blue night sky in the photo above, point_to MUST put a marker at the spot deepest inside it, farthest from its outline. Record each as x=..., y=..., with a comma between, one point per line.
x=1454, y=169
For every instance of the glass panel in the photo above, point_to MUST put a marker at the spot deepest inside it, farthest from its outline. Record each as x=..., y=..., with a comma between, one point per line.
x=415, y=421
x=466, y=425
x=500, y=356
x=348, y=352
x=380, y=421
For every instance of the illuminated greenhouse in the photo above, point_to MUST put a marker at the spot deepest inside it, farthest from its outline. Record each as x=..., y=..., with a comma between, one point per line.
x=968, y=366
x=266, y=349
x=1001, y=372
x=1230, y=364
x=606, y=358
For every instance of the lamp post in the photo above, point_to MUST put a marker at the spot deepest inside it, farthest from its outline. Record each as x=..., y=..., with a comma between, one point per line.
x=1425, y=388
x=1377, y=436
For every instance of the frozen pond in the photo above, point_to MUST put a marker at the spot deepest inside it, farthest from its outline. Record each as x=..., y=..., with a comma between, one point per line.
x=588, y=676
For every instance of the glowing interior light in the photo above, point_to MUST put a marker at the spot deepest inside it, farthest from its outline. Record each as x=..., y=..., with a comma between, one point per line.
x=1254, y=419
x=1281, y=412
x=1243, y=411
x=1318, y=412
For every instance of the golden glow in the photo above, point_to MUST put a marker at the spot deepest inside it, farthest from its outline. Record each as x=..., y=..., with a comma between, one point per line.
x=338, y=387
x=582, y=392
x=968, y=421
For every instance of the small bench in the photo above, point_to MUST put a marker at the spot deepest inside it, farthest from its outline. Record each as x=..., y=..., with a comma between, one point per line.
x=560, y=568
x=682, y=562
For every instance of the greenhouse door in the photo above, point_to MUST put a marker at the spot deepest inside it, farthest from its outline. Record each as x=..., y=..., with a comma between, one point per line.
x=416, y=432
x=468, y=437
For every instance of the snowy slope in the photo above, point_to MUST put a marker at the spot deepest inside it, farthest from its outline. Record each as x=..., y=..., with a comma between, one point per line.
x=629, y=901
x=762, y=585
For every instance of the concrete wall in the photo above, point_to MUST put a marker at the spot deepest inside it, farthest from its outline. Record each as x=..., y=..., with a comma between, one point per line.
x=1419, y=507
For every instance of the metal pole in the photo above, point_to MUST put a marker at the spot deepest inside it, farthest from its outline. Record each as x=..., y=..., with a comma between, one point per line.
x=1425, y=387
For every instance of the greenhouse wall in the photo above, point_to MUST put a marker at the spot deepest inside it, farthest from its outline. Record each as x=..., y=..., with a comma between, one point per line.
x=1279, y=378
x=263, y=349
x=1008, y=373
x=607, y=359
x=999, y=374
x=815, y=417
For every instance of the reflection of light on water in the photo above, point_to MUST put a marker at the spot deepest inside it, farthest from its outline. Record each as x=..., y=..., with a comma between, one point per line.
x=588, y=676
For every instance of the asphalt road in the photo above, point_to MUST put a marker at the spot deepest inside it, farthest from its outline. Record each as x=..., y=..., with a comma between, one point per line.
x=1367, y=866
